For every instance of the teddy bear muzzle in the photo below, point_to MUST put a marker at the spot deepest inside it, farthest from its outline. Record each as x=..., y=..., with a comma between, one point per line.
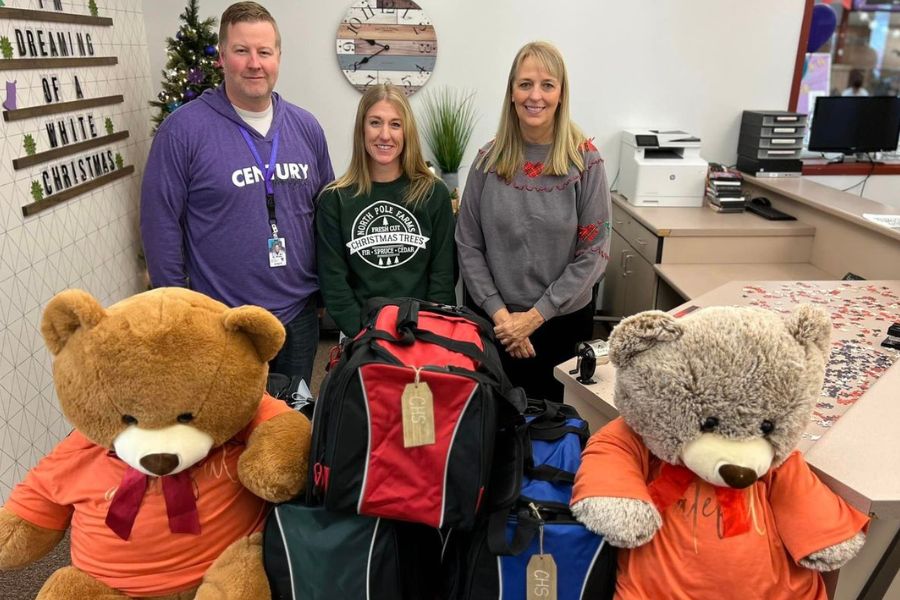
x=728, y=462
x=160, y=452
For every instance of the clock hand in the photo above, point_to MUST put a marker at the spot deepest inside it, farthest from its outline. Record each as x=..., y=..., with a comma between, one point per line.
x=374, y=43
x=366, y=59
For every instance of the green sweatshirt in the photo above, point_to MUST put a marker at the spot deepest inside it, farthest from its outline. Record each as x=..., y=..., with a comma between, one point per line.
x=373, y=246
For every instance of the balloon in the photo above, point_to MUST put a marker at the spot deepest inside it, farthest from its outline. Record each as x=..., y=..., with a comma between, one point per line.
x=823, y=23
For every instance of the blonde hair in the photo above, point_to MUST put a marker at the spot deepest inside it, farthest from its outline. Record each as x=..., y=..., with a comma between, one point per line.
x=357, y=177
x=246, y=12
x=507, y=153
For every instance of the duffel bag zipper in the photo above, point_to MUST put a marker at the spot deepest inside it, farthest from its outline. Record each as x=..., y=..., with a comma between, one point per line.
x=546, y=512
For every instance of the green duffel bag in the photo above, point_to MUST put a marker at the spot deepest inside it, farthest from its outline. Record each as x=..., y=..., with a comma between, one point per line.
x=314, y=554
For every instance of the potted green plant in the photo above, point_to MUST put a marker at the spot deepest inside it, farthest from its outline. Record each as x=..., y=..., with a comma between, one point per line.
x=448, y=119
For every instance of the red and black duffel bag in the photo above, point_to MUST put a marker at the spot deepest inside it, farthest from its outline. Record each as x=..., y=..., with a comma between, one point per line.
x=405, y=424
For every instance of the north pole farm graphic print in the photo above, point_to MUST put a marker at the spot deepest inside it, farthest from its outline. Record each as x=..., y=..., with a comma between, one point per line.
x=386, y=235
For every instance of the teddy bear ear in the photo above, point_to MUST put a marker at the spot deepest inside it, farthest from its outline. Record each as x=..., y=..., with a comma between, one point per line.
x=66, y=313
x=810, y=325
x=641, y=332
x=265, y=332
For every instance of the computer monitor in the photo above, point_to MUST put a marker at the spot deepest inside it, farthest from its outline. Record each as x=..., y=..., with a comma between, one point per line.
x=852, y=124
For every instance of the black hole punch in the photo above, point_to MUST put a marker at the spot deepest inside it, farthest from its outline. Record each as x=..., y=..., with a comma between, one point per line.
x=709, y=424
x=185, y=418
x=129, y=420
x=767, y=427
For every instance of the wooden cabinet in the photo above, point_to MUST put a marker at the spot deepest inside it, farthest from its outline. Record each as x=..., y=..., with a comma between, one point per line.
x=630, y=283
x=652, y=245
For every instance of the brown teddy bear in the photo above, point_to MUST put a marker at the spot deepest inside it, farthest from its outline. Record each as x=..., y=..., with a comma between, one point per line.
x=175, y=454
x=699, y=481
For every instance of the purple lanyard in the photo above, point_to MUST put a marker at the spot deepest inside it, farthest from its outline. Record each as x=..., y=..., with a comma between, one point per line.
x=268, y=174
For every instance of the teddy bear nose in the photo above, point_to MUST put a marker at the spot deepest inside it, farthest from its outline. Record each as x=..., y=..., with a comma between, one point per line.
x=160, y=464
x=737, y=477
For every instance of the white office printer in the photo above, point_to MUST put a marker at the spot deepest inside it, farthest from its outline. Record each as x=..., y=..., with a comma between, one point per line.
x=661, y=168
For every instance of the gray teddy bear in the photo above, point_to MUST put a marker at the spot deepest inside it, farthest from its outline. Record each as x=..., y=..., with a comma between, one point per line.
x=698, y=481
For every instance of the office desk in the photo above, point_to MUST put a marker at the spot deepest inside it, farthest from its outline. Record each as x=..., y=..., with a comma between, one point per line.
x=853, y=438
x=660, y=257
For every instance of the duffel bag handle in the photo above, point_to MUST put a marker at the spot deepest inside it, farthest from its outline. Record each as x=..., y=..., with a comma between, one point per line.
x=526, y=528
x=408, y=314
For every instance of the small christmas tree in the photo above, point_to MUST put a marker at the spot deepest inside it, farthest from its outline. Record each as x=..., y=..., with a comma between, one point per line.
x=37, y=192
x=6, y=47
x=30, y=146
x=193, y=63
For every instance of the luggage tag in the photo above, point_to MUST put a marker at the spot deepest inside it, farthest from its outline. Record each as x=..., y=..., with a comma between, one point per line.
x=277, y=252
x=540, y=574
x=417, y=403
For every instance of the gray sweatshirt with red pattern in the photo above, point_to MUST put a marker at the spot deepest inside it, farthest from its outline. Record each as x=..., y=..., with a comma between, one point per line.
x=537, y=241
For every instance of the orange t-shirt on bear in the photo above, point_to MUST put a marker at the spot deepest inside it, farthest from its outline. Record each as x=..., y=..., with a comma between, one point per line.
x=792, y=514
x=78, y=480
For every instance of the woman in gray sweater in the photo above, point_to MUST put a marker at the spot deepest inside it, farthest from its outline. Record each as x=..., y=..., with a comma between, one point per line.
x=533, y=231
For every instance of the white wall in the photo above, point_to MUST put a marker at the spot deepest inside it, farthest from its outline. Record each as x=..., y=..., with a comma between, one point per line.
x=90, y=241
x=691, y=64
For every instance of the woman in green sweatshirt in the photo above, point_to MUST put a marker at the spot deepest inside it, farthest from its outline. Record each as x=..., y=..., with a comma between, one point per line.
x=385, y=227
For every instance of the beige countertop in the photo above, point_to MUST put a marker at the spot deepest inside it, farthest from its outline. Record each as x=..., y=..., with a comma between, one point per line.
x=695, y=279
x=700, y=222
x=843, y=205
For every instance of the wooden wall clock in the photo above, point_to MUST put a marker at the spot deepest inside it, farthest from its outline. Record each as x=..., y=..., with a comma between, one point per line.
x=386, y=41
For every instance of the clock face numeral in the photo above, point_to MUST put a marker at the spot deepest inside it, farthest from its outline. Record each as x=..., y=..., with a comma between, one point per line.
x=368, y=16
x=368, y=12
x=353, y=24
x=386, y=41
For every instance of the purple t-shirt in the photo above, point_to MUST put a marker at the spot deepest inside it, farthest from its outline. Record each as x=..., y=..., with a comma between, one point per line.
x=204, y=220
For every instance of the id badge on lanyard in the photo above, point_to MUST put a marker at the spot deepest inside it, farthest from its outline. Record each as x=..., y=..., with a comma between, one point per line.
x=277, y=246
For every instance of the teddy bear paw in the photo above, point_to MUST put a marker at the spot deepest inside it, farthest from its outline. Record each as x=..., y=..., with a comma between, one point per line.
x=836, y=556
x=624, y=522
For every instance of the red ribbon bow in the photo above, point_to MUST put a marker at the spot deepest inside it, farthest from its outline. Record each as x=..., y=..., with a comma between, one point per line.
x=181, y=506
x=672, y=482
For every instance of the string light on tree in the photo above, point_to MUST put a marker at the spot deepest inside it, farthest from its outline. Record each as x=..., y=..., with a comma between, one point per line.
x=188, y=71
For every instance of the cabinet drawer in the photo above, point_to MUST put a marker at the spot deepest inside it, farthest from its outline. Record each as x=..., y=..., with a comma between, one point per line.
x=620, y=219
x=642, y=239
x=638, y=237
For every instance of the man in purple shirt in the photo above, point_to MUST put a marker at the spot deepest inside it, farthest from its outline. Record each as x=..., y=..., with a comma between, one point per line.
x=232, y=174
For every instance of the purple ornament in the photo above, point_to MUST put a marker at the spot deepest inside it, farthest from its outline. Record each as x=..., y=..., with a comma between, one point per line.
x=196, y=76
x=180, y=35
x=210, y=50
x=11, y=102
x=189, y=95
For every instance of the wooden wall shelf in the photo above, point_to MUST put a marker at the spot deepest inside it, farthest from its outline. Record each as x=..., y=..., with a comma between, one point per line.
x=54, y=199
x=60, y=107
x=24, y=14
x=41, y=157
x=11, y=64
